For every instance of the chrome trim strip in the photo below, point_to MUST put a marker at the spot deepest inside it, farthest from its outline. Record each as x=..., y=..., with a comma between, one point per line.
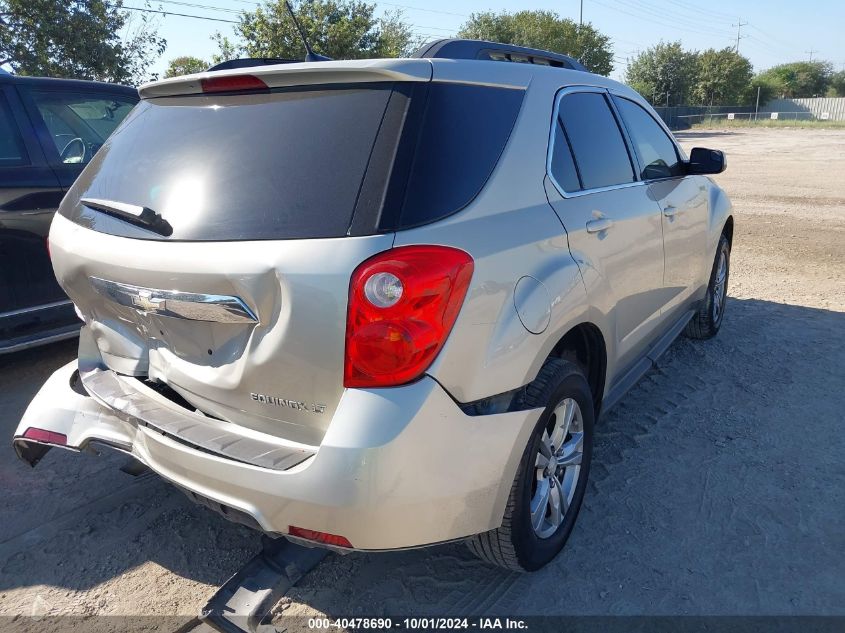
x=173, y=303
x=46, y=306
x=37, y=341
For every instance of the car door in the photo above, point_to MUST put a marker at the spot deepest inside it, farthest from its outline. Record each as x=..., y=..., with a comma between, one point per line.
x=612, y=223
x=683, y=201
x=73, y=124
x=29, y=194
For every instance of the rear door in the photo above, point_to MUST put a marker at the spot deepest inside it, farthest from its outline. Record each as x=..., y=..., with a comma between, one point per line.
x=682, y=199
x=29, y=195
x=613, y=225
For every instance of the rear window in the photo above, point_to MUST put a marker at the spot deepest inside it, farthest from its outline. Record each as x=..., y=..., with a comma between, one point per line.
x=301, y=163
x=241, y=167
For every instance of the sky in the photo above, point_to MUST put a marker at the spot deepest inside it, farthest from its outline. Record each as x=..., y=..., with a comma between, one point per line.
x=773, y=31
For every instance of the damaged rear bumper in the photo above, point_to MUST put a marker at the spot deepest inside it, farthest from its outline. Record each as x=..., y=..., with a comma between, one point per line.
x=398, y=468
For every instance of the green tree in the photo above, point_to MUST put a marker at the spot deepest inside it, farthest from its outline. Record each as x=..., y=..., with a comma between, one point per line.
x=664, y=74
x=340, y=29
x=79, y=39
x=722, y=77
x=546, y=30
x=837, y=84
x=798, y=79
x=185, y=65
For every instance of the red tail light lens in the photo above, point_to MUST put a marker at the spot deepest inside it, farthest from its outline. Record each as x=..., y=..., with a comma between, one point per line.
x=48, y=437
x=232, y=83
x=402, y=306
x=319, y=537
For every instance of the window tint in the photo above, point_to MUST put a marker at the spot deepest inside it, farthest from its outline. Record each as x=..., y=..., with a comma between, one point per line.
x=563, y=165
x=288, y=164
x=80, y=124
x=655, y=149
x=597, y=143
x=463, y=132
x=12, y=152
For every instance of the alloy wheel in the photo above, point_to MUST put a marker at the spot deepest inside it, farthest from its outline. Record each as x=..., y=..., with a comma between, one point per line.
x=558, y=467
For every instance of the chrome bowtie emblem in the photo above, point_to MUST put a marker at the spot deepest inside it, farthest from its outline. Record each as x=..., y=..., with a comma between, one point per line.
x=146, y=302
x=178, y=305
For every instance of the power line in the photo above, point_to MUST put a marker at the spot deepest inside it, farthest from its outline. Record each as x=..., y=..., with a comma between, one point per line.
x=181, y=15
x=654, y=20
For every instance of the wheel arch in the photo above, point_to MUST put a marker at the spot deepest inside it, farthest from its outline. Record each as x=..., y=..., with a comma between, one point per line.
x=728, y=230
x=585, y=344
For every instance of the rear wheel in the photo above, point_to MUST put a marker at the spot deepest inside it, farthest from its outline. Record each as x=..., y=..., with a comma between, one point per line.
x=706, y=322
x=552, y=476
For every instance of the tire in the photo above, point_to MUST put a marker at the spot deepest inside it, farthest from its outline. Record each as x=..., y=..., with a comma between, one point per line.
x=706, y=322
x=517, y=545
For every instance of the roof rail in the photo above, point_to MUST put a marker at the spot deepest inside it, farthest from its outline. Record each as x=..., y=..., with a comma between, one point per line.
x=248, y=62
x=494, y=51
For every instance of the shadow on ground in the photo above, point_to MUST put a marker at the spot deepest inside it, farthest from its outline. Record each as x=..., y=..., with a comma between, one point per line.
x=713, y=492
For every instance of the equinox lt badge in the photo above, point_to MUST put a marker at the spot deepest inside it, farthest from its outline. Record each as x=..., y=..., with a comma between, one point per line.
x=284, y=402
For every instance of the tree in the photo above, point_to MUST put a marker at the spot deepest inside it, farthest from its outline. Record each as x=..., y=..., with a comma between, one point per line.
x=185, y=65
x=837, y=84
x=340, y=29
x=798, y=79
x=78, y=39
x=546, y=30
x=722, y=78
x=664, y=74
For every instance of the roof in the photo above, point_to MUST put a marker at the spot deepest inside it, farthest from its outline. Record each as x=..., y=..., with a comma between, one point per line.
x=68, y=84
x=460, y=61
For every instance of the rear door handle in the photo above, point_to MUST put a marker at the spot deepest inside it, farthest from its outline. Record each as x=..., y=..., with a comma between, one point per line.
x=669, y=211
x=598, y=225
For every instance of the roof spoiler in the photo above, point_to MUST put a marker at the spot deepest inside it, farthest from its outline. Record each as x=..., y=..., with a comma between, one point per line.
x=296, y=74
x=494, y=51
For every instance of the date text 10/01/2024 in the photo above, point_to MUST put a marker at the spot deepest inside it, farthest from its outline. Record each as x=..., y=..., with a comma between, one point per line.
x=416, y=624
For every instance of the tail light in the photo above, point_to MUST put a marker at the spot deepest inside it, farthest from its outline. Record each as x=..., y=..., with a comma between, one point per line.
x=232, y=83
x=402, y=306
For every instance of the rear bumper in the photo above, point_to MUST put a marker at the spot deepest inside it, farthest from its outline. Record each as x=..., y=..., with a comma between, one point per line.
x=398, y=468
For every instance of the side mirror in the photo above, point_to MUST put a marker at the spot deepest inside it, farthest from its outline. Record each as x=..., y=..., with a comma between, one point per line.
x=706, y=161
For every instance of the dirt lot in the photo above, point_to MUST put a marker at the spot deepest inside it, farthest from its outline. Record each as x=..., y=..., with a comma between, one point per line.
x=716, y=489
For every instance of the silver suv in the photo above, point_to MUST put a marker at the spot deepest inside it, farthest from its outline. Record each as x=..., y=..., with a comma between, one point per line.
x=380, y=304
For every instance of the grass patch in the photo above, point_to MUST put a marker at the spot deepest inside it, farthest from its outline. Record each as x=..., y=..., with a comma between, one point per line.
x=721, y=123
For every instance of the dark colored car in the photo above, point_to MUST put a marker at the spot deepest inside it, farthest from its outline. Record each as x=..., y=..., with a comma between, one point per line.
x=49, y=130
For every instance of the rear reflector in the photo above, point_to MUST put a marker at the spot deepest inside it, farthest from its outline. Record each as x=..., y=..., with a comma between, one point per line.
x=47, y=437
x=233, y=83
x=319, y=537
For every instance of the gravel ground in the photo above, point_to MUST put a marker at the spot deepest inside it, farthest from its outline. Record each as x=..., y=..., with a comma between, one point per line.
x=716, y=484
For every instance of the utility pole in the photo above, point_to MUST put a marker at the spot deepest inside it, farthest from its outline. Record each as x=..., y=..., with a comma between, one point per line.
x=581, y=15
x=739, y=35
x=810, y=53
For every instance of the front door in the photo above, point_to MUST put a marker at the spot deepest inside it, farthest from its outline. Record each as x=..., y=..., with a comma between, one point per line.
x=613, y=225
x=682, y=199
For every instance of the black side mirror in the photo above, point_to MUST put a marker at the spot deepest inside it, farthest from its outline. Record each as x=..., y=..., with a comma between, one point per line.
x=706, y=161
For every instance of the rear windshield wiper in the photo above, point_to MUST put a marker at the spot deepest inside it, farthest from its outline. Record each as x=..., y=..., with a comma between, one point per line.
x=139, y=216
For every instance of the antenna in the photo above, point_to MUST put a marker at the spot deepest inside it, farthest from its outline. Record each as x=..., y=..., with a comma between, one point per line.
x=310, y=56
